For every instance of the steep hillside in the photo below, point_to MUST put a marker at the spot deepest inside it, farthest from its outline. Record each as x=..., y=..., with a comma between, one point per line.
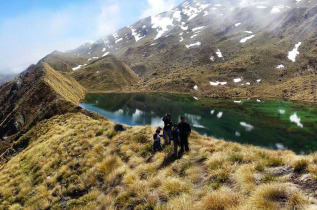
x=38, y=93
x=203, y=42
x=76, y=162
x=104, y=74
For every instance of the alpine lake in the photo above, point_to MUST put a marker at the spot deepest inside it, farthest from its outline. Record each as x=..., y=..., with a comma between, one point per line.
x=274, y=124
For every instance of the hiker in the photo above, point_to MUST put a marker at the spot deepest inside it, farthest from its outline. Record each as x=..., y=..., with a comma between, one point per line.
x=157, y=146
x=175, y=139
x=184, y=132
x=167, y=129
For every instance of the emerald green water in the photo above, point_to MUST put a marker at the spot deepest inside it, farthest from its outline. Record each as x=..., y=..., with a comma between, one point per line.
x=269, y=123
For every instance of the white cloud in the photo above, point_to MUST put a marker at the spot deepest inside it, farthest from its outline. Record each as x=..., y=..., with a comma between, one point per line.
x=27, y=38
x=154, y=7
x=108, y=19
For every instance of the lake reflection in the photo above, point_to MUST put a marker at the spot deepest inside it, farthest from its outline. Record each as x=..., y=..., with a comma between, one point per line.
x=272, y=124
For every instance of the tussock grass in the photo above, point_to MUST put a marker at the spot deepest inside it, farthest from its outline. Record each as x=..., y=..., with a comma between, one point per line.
x=223, y=198
x=277, y=196
x=82, y=163
x=301, y=165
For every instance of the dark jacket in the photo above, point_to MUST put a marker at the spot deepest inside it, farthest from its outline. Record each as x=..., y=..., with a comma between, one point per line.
x=156, y=142
x=184, y=129
x=167, y=123
x=175, y=136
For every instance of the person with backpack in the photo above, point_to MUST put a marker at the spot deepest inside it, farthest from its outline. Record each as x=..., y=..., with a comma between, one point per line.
x=157, y=146
x=175, y=139
x=167, y=129
x=184, y=132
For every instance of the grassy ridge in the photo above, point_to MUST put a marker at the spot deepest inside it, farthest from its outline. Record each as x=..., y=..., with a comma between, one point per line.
x=77, y=162
x=66, y=87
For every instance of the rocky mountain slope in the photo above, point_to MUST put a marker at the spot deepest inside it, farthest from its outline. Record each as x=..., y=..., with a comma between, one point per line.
x=221, y=48
x=38, y=93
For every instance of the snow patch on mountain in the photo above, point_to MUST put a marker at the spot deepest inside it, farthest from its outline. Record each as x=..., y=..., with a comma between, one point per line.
x=136, y=35
x=119, y=40
x=217, y=83
x=78, y=67
x=177, y=16
x=161, y=24
x=294, y=53
x=277, y=9
x=107, y=53
x=198, y=28
x=191, y=11
x=237, y=80
x=219, y=54
x=237, y=24
x=193, y=45
x=281, y=66
x=246, y=39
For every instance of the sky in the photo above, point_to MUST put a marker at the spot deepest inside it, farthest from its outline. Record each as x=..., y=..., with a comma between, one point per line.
x=31, y=29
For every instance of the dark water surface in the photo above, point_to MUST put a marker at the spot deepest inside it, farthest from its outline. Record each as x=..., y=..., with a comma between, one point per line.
x=268, y=123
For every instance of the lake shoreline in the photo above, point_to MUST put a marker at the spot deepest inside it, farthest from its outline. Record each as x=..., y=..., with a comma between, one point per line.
x=202, y=96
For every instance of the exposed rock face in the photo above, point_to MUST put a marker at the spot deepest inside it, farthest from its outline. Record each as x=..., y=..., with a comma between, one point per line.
x=38, y=93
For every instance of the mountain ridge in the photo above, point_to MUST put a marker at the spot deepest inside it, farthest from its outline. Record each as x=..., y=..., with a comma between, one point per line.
x=38, y=93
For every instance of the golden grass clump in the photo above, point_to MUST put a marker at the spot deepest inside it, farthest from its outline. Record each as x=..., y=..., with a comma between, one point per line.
x=300, y=165
x=245, y=179
x=223, y=198
x=90, y=134
x=313, y=171
x=174, y=186
x=277, y=196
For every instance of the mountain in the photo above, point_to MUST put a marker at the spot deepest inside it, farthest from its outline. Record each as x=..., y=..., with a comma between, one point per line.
x=38, y=93
x=6, y=77
x=105, y=73
x=250, y=47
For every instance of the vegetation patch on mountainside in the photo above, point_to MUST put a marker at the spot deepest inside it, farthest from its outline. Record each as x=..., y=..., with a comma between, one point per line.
x=106, y=73
x=74, y=161
x=66, y=87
